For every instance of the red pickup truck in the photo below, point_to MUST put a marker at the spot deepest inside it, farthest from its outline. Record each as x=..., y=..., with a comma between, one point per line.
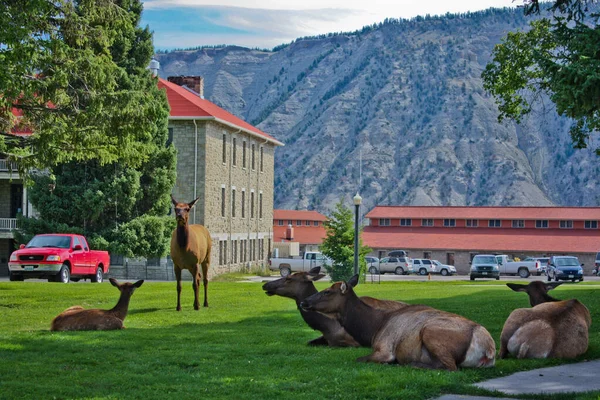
x=59, y=258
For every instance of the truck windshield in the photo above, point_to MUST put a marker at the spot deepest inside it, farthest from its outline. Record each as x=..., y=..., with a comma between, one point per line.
x=62, y=242
x=484, y=259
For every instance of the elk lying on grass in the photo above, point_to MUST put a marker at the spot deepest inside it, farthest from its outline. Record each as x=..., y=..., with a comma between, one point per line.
x=190, y=248
x=299, y=286
x=551, y=328
x=77, y=318
x=414, y=334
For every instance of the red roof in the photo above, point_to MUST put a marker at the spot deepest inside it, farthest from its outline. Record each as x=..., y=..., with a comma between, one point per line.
x=524, y=213
x=302, y=234
x=295, y=215
x=188, y=105
x=18, y=129
x=483, y=239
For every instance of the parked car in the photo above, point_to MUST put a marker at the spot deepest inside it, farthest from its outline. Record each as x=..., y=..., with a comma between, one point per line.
x=58, y=258
x=398, y=253
x=484, y=266
x=596, y=270
x=565, y=268
x=309, y=260
x=543, y=263
x=372, y=264
x=396, y=265
x=508, y=266
x=423, y=266
x=444, y=269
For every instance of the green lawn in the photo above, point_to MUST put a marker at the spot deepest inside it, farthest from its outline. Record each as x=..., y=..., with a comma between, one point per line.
x=246, y=345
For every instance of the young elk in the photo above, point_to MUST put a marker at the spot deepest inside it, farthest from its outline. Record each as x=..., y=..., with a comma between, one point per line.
x=551, y=328
x=417, y=335
x=76, y=318
x=299, y=286
x=190, y=249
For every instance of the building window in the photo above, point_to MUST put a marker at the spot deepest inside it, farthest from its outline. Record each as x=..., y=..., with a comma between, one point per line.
x=224, y=148
x=233, y=203
x=244, y=154
x=566, y=224
x=261, y=159
x=427, y=255
x=427, y=222
x=316, y=223
x=518, y=223
x=494, y=223
x=384, y=222
x=244, y=205
x=220, y=252
x=405, y=222
x=251, y=204
x=169, y=137
x=471, y=223
x=289, y=222
x=224, y=251
x=260, y=206
x=234, y=156
x=298, y=223
x=590, y=224
x=222, y=202
x=279, y=222
x=253, y=157
x=449, y=222
x=234, y=257
x=541, y=223
x=307, y=223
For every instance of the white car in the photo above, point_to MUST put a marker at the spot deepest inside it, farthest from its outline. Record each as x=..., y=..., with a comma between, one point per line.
x=424, y=266
x=396, y=265
x=444, y=269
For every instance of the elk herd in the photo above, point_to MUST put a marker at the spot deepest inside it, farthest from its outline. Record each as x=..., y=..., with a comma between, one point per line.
x=397, y=332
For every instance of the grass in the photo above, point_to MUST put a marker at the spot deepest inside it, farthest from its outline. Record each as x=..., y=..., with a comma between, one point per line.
x=244, y=346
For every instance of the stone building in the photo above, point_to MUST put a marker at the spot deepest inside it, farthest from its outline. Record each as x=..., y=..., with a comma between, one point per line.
x=454, y=235
x=229, y=165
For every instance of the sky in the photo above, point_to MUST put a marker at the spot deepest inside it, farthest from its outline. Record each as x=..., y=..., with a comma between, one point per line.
x=268, y=23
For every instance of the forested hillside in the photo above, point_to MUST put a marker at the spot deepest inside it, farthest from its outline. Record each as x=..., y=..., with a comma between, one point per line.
x=405, y=97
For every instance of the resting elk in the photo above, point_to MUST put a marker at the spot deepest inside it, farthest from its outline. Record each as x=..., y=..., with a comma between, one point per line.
x=417, y=335
x=299, y=286
x=551, y=328
x=190, y=249
x=77, y=318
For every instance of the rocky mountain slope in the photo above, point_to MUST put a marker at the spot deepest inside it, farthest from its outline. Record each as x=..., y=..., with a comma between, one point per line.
x=396, y=112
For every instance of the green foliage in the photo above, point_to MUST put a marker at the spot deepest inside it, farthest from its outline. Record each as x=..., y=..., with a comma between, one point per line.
x=77, y=72
x=559, y=57
x=339, y=244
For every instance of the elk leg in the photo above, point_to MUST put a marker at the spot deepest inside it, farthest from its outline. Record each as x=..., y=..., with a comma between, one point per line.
x=178, y=277
x=503, y=350
x=382, y=354
x=205, y=283
x=437, y=347
x=196, y=284
x=320, y=341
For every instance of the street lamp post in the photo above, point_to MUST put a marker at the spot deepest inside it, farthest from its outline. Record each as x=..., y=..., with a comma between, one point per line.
x=357, y=200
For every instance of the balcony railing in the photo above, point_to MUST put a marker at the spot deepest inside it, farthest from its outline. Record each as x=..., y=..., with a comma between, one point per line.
x=6, y=165
x=8, y=224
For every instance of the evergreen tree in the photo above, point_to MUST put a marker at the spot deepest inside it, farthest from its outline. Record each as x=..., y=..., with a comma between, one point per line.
x=339, y=245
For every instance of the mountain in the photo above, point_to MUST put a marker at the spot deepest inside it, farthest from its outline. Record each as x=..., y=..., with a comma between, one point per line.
x=397, y=112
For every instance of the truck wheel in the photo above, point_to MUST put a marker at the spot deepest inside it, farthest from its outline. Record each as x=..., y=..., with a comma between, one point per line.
x=399, y=271
x=472, y=278
x=523, y=272
x=64, y=276
x=444, y=272
x=422, y=271
x=98, y=277
x=284, y=271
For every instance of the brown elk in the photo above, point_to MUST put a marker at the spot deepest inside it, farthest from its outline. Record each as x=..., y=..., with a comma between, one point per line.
x=190, y=248
x=550, y=329
x=417, y=335
x=299, y=286
x=77, y=318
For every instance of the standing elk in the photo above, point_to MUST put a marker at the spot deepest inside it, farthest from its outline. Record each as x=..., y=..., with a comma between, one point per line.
x=417, y=335
x=299, y=286
x=77, y=318
x=551, y=328
x=190, y=248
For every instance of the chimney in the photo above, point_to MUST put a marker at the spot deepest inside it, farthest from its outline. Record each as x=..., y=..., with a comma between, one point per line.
x=193, y=83
x=154, y=66
x=289, y=233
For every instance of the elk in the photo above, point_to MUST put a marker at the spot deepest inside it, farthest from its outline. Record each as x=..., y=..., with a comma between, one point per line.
x=77, y=318
x=299, y=286
x=190, y=248
x=550, y=329
x=417, y=335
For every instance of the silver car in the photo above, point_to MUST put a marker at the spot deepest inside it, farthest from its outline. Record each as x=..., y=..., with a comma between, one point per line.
x=396, y=265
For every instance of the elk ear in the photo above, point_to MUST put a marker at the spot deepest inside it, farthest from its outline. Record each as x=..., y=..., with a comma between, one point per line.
x=113, y=282
x=517, y=287
x=353, y=281
x=138, y=283
x=193, y=203
x=343, y=288
x=552, y=285
x=173, y=200
x=315, y=270
x=313, y=277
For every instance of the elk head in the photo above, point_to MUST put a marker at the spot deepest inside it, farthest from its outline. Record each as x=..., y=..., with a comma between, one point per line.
x=536, y=290
x=182, y=210
x=294, y=285
x=331, y=300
